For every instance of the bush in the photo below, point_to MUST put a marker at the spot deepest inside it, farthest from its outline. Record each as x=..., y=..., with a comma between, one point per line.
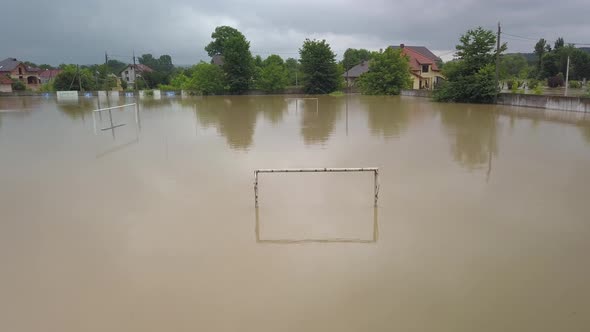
x=575, y=84
x=47, y=87
x=532, y=84
x=538, y=90
x=555, y=81
x=19, y=86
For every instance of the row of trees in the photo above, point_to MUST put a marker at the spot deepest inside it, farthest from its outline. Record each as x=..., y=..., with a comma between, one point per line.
x=104, y=76
x=317, y=68
x=547, y=63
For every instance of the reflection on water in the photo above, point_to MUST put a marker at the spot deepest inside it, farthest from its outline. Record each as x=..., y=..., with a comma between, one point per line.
x=234, y=118
x=374, y=238
x=153, y=230
x=387, y=117
x=318, y=119
x=586, y=133
x=472, y=129
x=78, y=109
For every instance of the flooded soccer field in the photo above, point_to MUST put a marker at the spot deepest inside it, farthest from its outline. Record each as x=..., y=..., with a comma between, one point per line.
x=145, y=219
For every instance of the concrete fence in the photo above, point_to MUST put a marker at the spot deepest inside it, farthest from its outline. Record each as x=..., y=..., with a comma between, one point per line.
x=560, y=103
x=417, y=93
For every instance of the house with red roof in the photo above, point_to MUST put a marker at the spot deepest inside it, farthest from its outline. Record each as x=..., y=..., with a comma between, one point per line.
x=48, y=75
x=425, y=72
x=17, y=70
x=423, y=69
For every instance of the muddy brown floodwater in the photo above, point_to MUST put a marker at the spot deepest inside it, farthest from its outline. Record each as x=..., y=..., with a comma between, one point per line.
x=483, y=221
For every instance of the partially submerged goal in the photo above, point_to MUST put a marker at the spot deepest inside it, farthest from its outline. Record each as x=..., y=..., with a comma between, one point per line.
x=375, y=171
x=109, y=110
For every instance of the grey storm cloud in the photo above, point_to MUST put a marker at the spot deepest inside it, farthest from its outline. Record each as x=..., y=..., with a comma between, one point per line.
x=69, y=31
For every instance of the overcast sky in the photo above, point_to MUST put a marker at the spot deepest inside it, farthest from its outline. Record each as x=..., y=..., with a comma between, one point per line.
x=78, y=31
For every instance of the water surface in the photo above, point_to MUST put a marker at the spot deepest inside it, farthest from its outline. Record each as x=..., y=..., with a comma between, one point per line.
x=482, y=222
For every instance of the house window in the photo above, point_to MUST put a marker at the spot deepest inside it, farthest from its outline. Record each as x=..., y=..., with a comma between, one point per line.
x=20, y=71
x=425, y=68
x=127, y=79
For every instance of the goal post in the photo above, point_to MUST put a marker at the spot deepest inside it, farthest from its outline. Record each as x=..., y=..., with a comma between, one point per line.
x=375, y=171
x=109, y=109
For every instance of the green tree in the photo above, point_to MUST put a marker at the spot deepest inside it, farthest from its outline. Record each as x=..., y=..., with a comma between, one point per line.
x=514, y=65
x=471, y=78
x=274, y=76
x=541, y=47
x=207, y=79
x=353, y=57
x=293, y=71
x=559, y=43
x=389, y=73
x=18, y=86
x=162, y=69
x=238, y=64
x=71, y=78
x=115, y=66
x=318, y=64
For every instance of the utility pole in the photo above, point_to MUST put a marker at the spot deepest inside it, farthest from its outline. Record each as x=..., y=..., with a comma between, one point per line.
x=106, y=68
x=567, y=75
x=497, y=61
x=134, y=73
x=79, y=79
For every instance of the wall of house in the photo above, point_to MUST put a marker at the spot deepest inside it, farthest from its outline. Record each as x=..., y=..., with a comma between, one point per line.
x=415, y=82
x=5, y=87
x=131, y=75
x=561, y=103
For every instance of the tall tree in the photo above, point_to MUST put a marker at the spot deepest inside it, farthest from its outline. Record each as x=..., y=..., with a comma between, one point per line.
x=318, y=64
x=471, y=77
x=293, y=71
x=389, y=73
x=274, y=76
x=238, y=63
x=71, y=79
x=540, y=49
x=353, y=57
x=559, y=43
x=514, y=66
x=207, y=79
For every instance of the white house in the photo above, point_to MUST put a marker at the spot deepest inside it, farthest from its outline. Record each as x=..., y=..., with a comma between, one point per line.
x=132, y=71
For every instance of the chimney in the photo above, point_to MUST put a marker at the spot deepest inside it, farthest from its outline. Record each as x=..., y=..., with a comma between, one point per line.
x=401, y=45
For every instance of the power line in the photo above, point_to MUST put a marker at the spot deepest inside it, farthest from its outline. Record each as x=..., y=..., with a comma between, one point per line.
x=536, y=39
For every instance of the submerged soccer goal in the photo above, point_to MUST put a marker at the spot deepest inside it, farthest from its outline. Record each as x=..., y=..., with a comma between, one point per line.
x=109, y=110
x=375, y=171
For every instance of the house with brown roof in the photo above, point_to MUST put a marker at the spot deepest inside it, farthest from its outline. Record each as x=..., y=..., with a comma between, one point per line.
x=353, y=74
x=423, y=69
x=48, y=75
x=17, y=70
x=425, y=72
x=129, y=73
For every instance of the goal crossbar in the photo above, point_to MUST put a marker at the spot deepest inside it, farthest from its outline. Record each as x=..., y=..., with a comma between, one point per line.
x=375, y=171
x=114, y=107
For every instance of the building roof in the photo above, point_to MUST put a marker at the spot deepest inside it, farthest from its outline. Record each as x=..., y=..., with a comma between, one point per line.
x=357, y=70
x=417, y=59
x=9, y=64
x=50, y=73
x=140, y=68
x=420, y=49
x=5, y=79
x=217, y=59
